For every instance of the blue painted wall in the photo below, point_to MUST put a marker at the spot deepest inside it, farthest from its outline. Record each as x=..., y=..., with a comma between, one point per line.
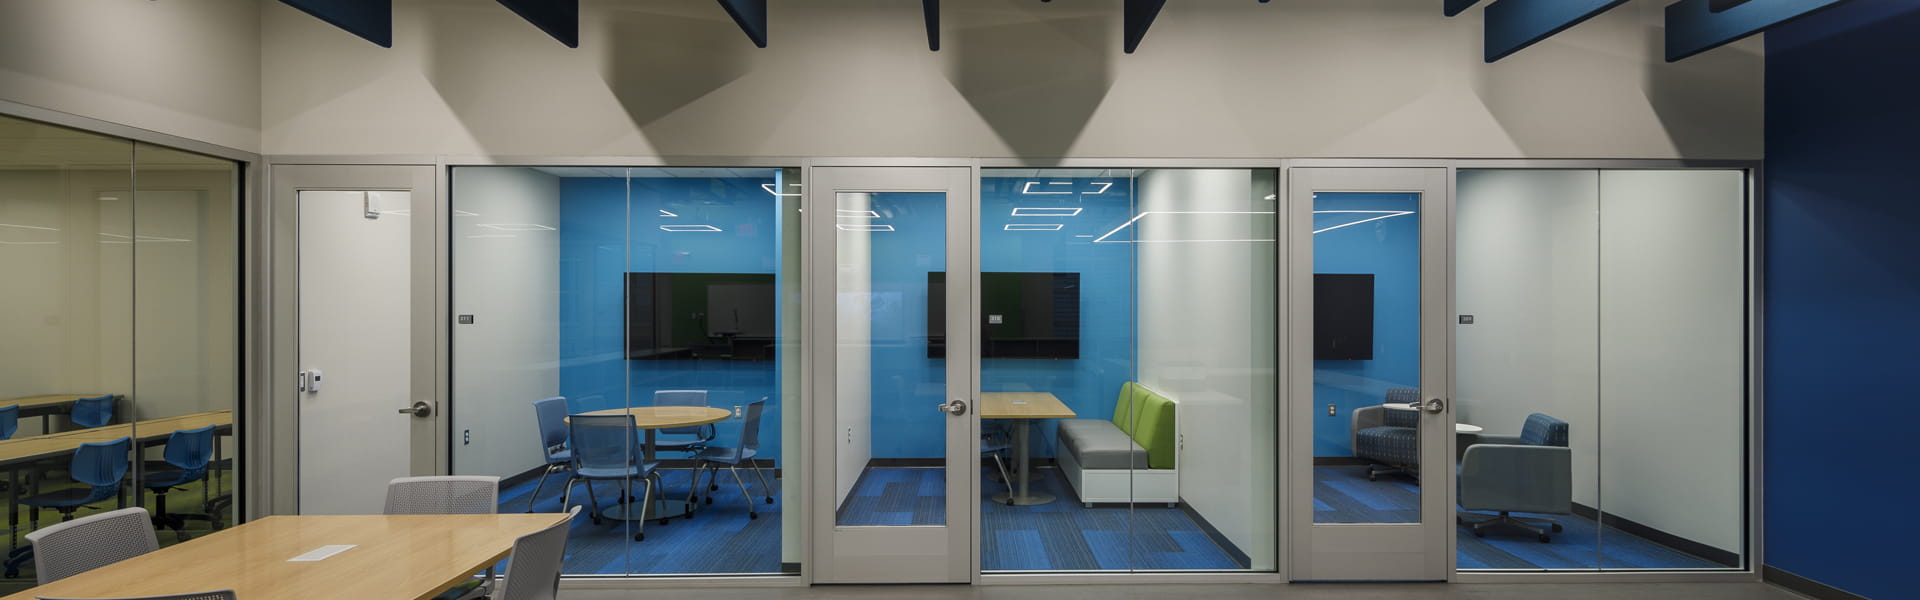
x=906, y=426
x=1389, y=248
x=1842, y=290
x=603, y=236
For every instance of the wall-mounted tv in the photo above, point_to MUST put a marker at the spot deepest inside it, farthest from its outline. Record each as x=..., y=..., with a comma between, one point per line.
x=1342, y=316
x=1022, y=315
x=700, y=316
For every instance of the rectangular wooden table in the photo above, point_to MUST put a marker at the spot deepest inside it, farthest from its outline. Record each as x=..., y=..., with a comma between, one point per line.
x=394, y=557
x=45, y=406
x=1022, y=407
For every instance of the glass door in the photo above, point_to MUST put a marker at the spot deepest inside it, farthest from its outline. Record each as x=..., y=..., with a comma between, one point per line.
x=891, y=275
x=1372, y=427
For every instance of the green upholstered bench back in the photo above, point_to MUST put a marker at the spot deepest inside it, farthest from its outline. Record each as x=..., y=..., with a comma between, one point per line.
x=1147, y=417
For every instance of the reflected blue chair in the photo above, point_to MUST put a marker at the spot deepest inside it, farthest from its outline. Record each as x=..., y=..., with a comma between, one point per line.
x=187, y=455
x=676, y=438
x=93, y=412
x=9, y=421
x=733, y=457
x=604, y=448
x=551, y=416
x=99, y=467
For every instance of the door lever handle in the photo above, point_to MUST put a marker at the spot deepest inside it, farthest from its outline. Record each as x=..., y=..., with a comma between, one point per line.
x=955, y=407
x=1434, y=405
x=419, y=409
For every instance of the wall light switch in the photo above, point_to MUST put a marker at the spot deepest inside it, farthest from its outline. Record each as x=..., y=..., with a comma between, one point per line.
x=1466, y=319
x=1331, y=411
x=736, y=411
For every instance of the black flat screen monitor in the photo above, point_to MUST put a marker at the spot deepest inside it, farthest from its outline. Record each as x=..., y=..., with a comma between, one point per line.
x=1342, y=316
x=1023, y=315
x=700, y=316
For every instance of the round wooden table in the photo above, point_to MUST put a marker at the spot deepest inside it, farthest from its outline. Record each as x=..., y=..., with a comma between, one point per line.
x=651, y=419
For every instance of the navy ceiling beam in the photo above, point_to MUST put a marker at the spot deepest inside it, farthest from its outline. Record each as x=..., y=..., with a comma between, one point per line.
x=559, y=18
x=751, y=15
x=372, y=20
x=1137, y=17
x=1455, y=7
x=1693, y=26
x=1515, y=24
x=932, y=9
x=1723, y=5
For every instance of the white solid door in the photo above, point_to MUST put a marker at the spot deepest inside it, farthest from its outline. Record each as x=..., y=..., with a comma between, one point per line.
x=1371, y=438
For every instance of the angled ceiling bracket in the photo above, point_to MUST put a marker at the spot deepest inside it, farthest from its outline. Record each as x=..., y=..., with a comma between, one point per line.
x=1138, y=16
x=1455, y=7
x=1512, y=25
x=1695, y=26
x=559, y=18
x=372, y=20
x=932, y=10
x=751, y=16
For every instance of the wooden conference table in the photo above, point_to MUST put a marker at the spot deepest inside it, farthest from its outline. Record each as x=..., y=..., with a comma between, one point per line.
x=651, y=419
x=19, y=453
x=1022, y=407
x=392, y=556
x=46, y=406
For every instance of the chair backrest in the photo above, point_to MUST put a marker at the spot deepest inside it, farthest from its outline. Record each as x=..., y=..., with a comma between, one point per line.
x=9, y=421
x=551, y=414
x=750, y=430
x=93, y=412
x=1542, y=430
x=603, y=441
x=101, y=464
x=534, y=571
x=190, y=450
x=214, y=595
x=681, y=398
x=88, y=543
x=444, y=495
x=1402, y=418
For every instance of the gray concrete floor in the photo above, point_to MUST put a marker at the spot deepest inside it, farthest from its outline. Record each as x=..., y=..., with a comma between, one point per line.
x=1299, y=591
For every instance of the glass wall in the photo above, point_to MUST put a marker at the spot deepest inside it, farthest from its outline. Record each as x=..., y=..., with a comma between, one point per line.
x=667, y=294
x=122, y=333
x=1601, y=354
x=1128, y=390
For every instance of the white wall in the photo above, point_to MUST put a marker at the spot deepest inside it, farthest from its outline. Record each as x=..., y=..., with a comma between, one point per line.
x=189, y=68
x=853, y=352
x=1206, y=340
x=1346, y=78
x=510, y=282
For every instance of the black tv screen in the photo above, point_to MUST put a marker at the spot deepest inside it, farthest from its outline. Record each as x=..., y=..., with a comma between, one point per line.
x=701, y=316
x=1342, y=316
x=1022, y=315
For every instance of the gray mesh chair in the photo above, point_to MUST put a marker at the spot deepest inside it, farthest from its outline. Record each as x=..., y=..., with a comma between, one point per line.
x=534, y=571
x=219, y=595
x=88, y=543
x=444, y=495
x=675, y=439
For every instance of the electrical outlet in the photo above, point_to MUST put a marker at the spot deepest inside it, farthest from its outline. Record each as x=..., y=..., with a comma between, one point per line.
x=1331, y=411
x=736, y=411
x=466, y=437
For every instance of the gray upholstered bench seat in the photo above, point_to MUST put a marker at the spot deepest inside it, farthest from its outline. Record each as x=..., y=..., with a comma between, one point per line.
x=1098, y=444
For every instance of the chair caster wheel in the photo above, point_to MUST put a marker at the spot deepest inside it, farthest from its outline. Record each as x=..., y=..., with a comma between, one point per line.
x=1544, y=538
x=769, y=499
x=596, y=519
x=709, y=499
x=663, y=522
x=713, y=487
x=640, y=537
x=1479, y=533
x=752, y=516
x=1556, y=528
x=12, y=574
x=1371, y=476
x=180, y=536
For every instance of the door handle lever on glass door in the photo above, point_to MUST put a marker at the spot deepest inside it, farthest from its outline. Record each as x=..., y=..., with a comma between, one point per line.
x=419, y=409
x=955, y=407
x=1434, y=405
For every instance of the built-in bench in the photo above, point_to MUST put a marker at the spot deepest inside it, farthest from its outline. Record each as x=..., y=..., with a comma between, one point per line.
x=1133, y=457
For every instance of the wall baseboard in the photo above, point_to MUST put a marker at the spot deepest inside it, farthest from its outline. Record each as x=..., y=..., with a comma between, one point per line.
x=1808, y=587
x=1716, y=555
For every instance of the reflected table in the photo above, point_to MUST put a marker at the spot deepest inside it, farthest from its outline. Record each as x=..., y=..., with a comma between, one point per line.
x=46, y=406
x=652, y=419
x=1022, y=408
x=21, y=453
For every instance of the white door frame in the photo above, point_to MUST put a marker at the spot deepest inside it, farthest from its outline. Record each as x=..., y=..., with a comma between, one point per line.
x=429, y=448
x=1397, y=551
x=914, y=554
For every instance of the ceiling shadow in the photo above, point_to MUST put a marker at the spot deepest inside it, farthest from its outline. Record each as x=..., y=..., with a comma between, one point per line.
x=1690, y=98
x=1035, y=83
x=657, y=63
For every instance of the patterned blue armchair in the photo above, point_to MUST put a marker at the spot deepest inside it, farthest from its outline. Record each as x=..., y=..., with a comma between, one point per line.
x=1528, y=473
x=1388, y=437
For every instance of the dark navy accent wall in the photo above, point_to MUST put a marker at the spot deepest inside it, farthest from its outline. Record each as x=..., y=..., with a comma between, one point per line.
x=1389, y=248
x=1842, y=294
x=603, y=236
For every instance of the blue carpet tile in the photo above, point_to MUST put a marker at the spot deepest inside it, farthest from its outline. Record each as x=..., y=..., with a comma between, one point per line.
x=1342, y=494
x=718, y=538
x=1064, y=535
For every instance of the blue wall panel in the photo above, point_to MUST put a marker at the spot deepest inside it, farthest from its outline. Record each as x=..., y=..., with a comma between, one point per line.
x=1842, y=288
x=1388, y=248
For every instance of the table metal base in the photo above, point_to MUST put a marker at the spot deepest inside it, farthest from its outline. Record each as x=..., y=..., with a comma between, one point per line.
x=1028, y=499
x=660, y=509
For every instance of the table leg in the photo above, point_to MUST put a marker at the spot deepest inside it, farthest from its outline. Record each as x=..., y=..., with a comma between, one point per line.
x=13, y=509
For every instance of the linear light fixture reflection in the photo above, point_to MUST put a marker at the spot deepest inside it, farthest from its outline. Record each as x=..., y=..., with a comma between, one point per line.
x=1028, y=188
x=35, y=227
x=1103, y=238
x=689, y=228
x=664, y=213
x=769, y=188
x=516, y=226
x=1380, y=214
x=854, y=213
x=1033, y=227
x=862, y=227
x=1040, y=211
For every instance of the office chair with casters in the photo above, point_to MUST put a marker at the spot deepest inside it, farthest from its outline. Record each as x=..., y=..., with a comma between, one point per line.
x=674, y=438
x=733, y=457
x=1529, y=473
x=187, y=455
x=996, y=444
x=533, y=573
x=9, y=421
x=604, y=448
x=551, y=416
x=444, y=495
x=214, y=595
x=88, y=543
x=100, y=467
x=93, y=412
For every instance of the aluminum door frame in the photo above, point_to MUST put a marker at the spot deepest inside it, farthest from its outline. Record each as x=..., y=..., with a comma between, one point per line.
x=956, y=561
x=1366, y=551
x=428, y=455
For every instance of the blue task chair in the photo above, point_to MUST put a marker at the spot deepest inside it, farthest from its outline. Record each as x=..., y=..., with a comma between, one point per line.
x=99, y=467
x=996, y=443
x=9, y=421
x=93, y=412
x=676, y=439
x=187, y=455
x=551, y=416
x=604, y=448
x=732, y=457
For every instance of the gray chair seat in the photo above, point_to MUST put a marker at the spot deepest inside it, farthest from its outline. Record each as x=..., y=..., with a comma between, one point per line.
x=1097, y=444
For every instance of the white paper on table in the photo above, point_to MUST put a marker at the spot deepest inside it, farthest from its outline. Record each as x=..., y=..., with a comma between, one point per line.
x=322, y=553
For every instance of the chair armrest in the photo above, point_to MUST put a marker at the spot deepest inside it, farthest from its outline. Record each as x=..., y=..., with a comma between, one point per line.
x=1521, y=478
x=1364, y=417
x=1511, y=440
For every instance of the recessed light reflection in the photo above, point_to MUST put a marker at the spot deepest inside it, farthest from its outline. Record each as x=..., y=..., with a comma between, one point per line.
x=1033, y=227
x=689, y=228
